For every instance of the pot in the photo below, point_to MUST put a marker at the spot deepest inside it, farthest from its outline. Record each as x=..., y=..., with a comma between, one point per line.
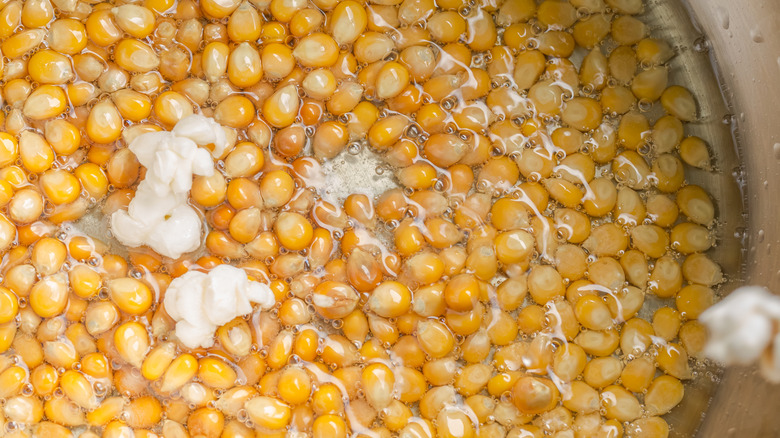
x=740, y=40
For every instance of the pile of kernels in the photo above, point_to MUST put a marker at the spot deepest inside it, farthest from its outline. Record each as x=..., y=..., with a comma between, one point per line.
x=538, y=151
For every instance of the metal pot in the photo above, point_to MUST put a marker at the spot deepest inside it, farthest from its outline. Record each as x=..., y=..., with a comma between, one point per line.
x=740, y=38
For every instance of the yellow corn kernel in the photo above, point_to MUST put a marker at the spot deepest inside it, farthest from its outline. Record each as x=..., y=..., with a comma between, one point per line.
x=104, y=124
x=10, y=18
x=60, y=186
x=690, y=238
x=67, y=36
x=100, y=317
x=123, y=168
x=37, y=13
x=9, y=149
x=101, y=28
x=78, y=389
x=694, y=152
x=294, y=386
x=170, y=107
x=281, y=108
x=319, y=84
x=334, y=300
x=32, y=353
x=245, y=160
x=277, y=188
x=293, y=231
x=347, y=21
x=48, y=255
x=130, y=295
x=49, y=429
x=80, y=93
x=143, y=412
x=364, y=273
x=49, y=297
x=244, y=23
x=436, y=399
x=159, y=6
x=219, y=9
x=92, y=179
x=214, y=60
x=244, y=67
x=268, y=412
x=49, y=67
x=181, y=370
x=7, y=232
x=22, y=42
x=206, y=422
x=36, y=154
x=45, y=102
x=9, y=305
x=109, y=409
x=245, y=225
x=620, y=404
x=69, y=212
x=391, y=80
x=216, y=373
x=16, y=91
x=63, y=136
x=329, y=426
x=435, y=338
x=11, y=381
x=82, y=248
x=116, y=429
x=638, y=374
x=7, y=335
x=135, y=56
x=132, y=342
x=137, y=21
x=235, y=111
x=158, y=360
x=209, y=191
x=377, y=381
x=44, y=379
x=20, y=279
x=316, y=50
x=277, y=61
x=132, y=105
x=650, y=84
x=534, y=395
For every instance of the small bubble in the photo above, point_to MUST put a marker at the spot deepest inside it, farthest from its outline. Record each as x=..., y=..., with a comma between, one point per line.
x=701, y=45
x=354, y=148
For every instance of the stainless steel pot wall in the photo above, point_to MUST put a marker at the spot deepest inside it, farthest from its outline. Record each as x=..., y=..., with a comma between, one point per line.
x=743, y=39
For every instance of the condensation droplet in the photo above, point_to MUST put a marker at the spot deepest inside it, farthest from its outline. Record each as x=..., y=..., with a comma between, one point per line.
x=723, y=17
x=756, y=36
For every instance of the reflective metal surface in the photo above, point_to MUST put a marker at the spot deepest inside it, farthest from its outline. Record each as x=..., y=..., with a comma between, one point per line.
x=743, y=39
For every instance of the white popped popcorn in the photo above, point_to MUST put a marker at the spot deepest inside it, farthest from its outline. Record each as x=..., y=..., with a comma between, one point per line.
x=159, y=215
x=201, y=302
x=743, y=330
